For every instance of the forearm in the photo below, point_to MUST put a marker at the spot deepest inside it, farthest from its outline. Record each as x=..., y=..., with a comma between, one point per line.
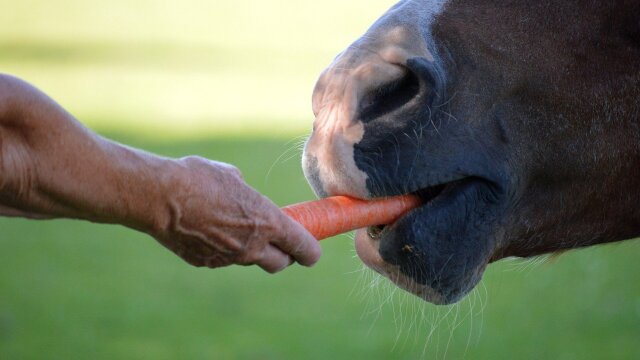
x=52, y=166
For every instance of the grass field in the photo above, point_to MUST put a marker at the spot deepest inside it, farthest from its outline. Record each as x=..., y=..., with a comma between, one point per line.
x=231, y=80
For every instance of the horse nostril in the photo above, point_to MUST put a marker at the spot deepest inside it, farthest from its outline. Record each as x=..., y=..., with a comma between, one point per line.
x=389, y=97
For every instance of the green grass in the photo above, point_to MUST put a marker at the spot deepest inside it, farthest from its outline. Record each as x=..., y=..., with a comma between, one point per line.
x=231, y=80
x=77, y=290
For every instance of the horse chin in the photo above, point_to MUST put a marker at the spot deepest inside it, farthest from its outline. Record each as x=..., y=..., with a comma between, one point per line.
x=367, y=249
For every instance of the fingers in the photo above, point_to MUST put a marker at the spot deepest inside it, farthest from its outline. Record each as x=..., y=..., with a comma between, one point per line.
x=274, y=260
x=297, y=242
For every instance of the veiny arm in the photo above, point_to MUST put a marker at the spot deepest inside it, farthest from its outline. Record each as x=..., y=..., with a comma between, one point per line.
x=51, y=166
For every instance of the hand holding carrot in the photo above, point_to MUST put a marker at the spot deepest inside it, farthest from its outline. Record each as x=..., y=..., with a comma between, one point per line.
x=218, y=220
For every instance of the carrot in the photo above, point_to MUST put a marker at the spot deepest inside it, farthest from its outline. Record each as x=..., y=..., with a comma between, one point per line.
x=338, y=214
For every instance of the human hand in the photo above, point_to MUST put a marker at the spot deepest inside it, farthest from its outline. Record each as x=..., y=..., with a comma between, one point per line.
x=215, y=219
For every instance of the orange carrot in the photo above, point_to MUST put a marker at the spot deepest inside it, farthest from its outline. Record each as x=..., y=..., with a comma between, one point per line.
x=335, y=215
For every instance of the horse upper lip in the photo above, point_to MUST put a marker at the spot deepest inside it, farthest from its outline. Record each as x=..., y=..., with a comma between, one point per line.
x=429, y=193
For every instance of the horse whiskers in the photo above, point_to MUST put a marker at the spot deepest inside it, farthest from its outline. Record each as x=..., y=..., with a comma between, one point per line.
x=291, y=152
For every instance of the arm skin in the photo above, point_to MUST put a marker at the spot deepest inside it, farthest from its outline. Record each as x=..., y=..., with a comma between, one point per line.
x=53, y=167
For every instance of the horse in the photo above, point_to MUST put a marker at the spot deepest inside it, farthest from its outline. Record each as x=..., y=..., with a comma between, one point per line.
x=517, y=123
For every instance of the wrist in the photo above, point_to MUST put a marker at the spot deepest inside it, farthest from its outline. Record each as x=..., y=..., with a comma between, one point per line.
x=151, y=208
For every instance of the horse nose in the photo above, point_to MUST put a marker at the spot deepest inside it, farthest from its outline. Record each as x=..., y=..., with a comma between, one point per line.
x=359, y=86
x=352, y=89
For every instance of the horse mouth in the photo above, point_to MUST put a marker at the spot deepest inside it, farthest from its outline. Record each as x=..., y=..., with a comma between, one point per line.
x=435, y=251
x=426, y=196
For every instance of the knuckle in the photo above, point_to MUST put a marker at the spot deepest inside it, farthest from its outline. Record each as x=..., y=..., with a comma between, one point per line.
x=233, y=170
x=192, y=160
x=234, y=179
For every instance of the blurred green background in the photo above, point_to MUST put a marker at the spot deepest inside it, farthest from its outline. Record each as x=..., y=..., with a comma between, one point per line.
x=231, y=80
